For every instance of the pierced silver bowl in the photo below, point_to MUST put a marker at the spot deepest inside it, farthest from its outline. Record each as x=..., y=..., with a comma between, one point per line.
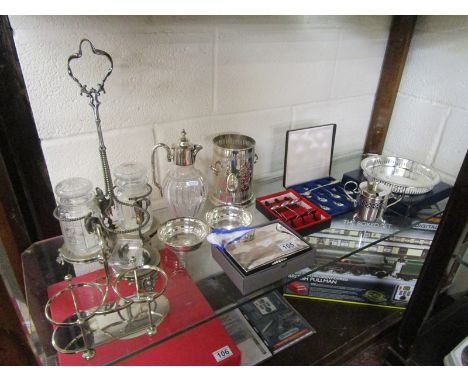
x=403, y=176
x=228, y=217
x=183, y=234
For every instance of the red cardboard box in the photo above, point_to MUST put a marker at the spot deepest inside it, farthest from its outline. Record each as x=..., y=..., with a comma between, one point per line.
x=205, y=344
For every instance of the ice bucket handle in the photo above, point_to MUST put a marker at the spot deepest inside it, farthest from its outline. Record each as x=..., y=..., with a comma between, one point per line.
x=214, y=167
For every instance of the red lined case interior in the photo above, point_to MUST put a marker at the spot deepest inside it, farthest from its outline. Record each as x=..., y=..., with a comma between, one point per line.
x=303, y=216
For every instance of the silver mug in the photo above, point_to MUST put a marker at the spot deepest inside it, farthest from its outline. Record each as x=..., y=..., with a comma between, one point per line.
x=372, y=200
x=233, y=161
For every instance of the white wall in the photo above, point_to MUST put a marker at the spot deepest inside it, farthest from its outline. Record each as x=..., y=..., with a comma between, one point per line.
x=255, y=75
x=430, y=120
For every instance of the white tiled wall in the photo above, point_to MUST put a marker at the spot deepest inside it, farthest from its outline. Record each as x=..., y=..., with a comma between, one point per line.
x=255, y=75
x=430, y=119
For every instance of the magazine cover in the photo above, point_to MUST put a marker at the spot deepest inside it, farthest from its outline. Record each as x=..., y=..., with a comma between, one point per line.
x=383, y=274
x=276, y=321
x=253, y=350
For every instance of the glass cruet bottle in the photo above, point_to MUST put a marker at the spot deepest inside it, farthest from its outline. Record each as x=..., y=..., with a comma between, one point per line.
x=130, y=187
x=75, y=201
x=183, y=188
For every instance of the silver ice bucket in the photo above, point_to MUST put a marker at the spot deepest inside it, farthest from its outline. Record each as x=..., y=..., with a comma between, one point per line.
x=232, y=165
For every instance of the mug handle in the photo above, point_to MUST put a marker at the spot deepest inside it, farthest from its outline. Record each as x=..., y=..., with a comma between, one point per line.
x=398, y=199
x=348, y=193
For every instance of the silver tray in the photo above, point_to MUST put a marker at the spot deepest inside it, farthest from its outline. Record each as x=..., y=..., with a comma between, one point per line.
x=183, y=234
x=127, y=323
x=403, y=176
x=228, y=217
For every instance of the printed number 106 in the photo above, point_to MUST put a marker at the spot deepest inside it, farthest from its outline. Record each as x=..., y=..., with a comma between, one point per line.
x=223, y=353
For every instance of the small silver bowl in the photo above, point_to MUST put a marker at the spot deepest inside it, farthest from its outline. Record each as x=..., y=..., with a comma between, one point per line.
x=228, y=217
x=183, y=234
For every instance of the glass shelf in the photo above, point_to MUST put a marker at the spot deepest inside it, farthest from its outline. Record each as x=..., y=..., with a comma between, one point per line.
x=209, y=295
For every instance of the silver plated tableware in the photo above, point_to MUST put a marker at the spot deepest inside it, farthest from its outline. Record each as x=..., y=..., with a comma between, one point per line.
x=184, y=187
x=126, y=323
x=81, y=316
x=371, y=201
x=292, y=203
x=325, y=208
x=309, y=191
x=183, y=234
x=144, y=295
x=321, y=199
x=278, y=207
x=266, y=246
x=403, y=176
x=333, y=194
x=285, y=206
x=232, y=165
x=228, y=217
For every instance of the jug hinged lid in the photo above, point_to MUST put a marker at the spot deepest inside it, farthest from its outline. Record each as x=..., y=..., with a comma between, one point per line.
x=184, y=153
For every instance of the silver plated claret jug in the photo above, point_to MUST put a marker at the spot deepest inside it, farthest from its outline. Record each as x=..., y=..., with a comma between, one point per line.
x=183, y=188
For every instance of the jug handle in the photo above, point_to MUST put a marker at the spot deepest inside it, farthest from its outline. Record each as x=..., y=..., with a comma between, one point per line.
x=348, y=193
x=256, y=158
x=153, y=163
x=196, y=149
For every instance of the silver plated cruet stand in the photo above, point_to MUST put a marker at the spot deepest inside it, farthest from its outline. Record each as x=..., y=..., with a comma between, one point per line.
x=124, y=316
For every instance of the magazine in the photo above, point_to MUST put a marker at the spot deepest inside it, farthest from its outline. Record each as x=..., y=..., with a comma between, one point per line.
x=253, y=350
x=276, y=321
